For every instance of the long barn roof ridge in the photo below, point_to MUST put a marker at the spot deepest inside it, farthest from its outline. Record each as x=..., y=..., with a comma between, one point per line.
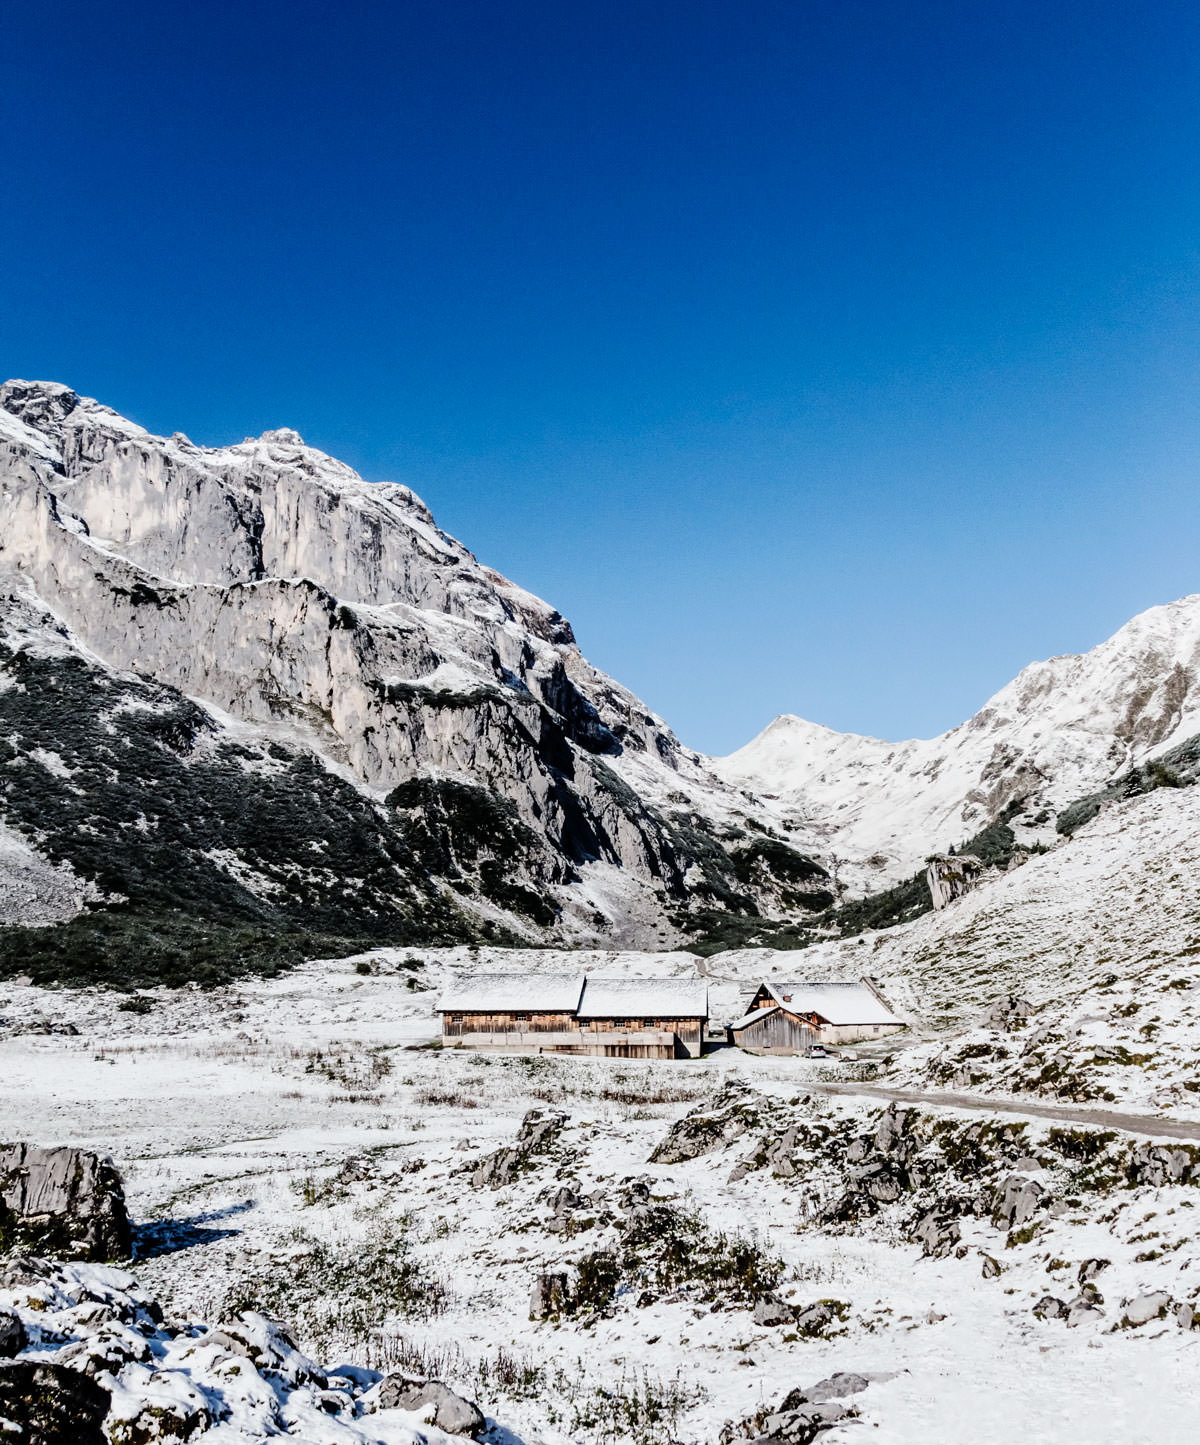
x=680, y=998
x=512, y=992
x=580, y=994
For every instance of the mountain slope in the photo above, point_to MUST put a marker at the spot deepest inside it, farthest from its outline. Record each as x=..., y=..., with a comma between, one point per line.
x=1061, y=729
x=264, y=597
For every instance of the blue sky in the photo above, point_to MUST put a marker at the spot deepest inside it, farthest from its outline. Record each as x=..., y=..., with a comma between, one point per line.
x=829, y=359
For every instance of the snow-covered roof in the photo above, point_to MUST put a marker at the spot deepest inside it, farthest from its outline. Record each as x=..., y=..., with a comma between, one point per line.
x=665, y=998
x=837, y=1003
x=754, y=1015
x=512, y=992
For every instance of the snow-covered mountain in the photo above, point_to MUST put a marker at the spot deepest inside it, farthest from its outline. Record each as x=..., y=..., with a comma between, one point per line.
x=248, y=670
x=1060, y=729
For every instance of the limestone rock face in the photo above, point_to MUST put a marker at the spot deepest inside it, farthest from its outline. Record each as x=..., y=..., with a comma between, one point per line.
x=298, y=604
x=68, y=1202
x=949, y=877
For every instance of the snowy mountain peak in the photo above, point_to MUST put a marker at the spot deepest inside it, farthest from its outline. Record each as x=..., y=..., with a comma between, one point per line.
x=308, y=609
x=1061, y=728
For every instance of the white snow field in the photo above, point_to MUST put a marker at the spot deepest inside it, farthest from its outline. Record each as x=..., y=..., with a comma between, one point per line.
x=289, y=1145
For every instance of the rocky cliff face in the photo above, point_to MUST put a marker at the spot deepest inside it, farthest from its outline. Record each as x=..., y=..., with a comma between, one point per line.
x=1060, y=730
x=254, y=627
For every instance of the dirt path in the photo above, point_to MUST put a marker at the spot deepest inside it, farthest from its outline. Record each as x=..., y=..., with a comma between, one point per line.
x=1149, y=1124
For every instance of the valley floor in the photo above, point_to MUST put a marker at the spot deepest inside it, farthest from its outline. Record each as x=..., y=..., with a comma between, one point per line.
x=290, y=1142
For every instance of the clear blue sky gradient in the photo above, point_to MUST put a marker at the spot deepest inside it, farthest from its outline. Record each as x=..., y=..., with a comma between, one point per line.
x=835, y=359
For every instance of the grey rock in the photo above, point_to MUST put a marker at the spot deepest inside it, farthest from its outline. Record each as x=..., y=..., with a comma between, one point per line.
x=878, y=1180
x=1016, y=1201
x=12, y=1335
x=453, y=1413
x=837, y=1387
x=1009, y=1013
x=1159, y=1164
x=66, y=1202
x=1188, y=1317
x=714, y=1124
x=1144, y=1308
x=549, y=1297
x=1083, y=1310
x=937, y=1233
x=1090, y=1268
x=772, y=1311
x=814, y=1319
x=991, y=1267
x=537, y=1133
x=51, y=1404
x=950, y=877
x=800, y=1426
x=1050, y=1307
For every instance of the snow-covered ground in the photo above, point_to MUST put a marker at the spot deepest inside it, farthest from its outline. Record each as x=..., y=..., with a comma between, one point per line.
x=290, y=1143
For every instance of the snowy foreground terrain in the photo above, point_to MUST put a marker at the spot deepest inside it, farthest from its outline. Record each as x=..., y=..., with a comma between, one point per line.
x=294, y=1146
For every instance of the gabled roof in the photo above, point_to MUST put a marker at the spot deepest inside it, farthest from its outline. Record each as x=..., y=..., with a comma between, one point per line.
x=836, y=1003
x=512, y=993
x=754, y=1015
x=660, y=998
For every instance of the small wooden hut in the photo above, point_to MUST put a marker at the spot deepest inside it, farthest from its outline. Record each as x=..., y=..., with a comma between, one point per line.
x=792, y=1017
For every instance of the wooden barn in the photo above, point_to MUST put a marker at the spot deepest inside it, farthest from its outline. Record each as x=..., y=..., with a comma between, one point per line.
x=791, y=1017
x=628, y=1018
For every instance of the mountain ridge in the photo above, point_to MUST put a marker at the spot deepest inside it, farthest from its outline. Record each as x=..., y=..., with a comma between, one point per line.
x=1061, y=728
x=275, y=588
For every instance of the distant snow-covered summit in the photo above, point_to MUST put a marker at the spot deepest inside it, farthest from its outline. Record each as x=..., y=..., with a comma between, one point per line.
x=1060, y=729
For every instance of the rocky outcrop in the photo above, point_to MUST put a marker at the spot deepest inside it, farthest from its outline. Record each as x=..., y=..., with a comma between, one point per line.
x=47, y=1404
x=539, y=1129
x=97, y=1364
x=62, y=1201
x=714, y=1124
x=950, y=876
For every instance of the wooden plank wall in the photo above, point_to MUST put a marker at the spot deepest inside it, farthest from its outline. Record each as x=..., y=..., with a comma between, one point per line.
x=457, y=1026
x=780, y=1030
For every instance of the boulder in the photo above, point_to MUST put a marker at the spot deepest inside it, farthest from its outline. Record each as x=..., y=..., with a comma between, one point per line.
x=772, y=1311
x=799, y=1427
x=269, y=1345
x=1144, y=1308
x=65, y=1202
x=1083, y=1310
x=549, y=1297
x=836, y=1387
x=1016, y=1201
x=52, y=1405
x=1158, y=1164
x=937, y=1233
x=12, y=1335
x=991, y=1267
x=451, y=1412
x=1009, y=1013
x=1090, y=1268
x=814, y=1319
x=1049, y=1307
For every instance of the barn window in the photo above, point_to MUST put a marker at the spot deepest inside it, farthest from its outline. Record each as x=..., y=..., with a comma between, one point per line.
x=522, y=1018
